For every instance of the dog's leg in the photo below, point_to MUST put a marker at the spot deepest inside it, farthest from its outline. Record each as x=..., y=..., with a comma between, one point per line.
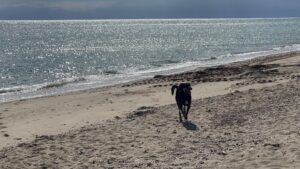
x=180, y=111
x=180, y=118
x=187, y=111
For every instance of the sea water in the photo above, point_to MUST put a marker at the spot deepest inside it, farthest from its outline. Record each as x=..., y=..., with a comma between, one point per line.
x=39, y=58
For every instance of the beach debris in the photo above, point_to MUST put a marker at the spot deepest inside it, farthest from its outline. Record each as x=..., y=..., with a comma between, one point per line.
x=126, y=85
x=222, y=153
x=44, y=137
x=111, y=160
x=275, y=145
x=117, y=117
x=43, y=166
x=158, y=76
x=141, y=111
x=109, y=100
x=2, y=156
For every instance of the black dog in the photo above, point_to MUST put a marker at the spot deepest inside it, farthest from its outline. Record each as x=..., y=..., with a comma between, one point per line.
x=183, y=99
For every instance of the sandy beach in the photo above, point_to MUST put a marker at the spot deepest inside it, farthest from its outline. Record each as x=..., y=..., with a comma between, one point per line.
x=243, y=115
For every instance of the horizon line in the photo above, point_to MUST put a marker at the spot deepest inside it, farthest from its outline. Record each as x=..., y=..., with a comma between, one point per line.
x=119, y=19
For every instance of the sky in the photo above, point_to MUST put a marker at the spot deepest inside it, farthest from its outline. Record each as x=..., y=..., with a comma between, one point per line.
x=150, y=9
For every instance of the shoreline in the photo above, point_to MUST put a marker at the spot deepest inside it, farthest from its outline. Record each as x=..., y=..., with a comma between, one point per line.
x=243, y=115
x=145, y=77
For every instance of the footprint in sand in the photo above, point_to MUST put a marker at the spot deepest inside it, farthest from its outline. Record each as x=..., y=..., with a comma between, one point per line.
x=1, y=124
x=3, y=127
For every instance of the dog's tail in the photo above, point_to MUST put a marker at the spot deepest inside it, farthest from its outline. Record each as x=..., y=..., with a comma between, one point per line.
x=173, y=88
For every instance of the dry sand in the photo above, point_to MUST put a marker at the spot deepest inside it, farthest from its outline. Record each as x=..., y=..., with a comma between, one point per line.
x=244, y=115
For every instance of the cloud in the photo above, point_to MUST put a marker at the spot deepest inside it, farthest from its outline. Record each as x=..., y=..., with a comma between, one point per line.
x=81, y=5
x=120, y=9
x=59, y=4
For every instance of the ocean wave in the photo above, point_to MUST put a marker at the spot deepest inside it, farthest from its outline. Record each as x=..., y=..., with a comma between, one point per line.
x=111, y=72
x=61, y=83
x=274, y=51
x=164, y=62
x=210, y=58
x=249, y=55
x=10, y=90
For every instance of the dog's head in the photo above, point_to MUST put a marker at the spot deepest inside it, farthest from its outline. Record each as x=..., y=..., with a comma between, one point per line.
x=186, y=87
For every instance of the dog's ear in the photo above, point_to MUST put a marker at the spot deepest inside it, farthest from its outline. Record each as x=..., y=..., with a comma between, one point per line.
x=173, y=88
x=190, y=86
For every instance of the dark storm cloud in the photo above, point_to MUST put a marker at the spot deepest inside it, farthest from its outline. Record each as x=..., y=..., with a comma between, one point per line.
x=98, y=9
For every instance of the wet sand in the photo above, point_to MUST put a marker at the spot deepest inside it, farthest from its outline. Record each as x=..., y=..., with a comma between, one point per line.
x=243, y=115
